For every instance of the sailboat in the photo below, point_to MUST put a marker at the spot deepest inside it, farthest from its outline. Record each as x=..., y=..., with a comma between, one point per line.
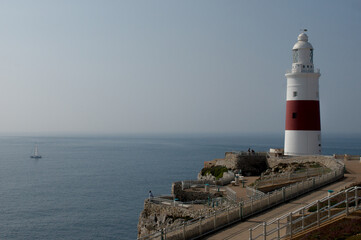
x=36, y=154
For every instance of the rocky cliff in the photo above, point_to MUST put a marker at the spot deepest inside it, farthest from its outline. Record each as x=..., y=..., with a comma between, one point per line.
x=158, y=216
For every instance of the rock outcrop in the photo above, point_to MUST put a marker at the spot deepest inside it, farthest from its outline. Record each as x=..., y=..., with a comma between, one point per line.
x=159, y=216
x=328, y=161
x=290, y=167
x=227, y=177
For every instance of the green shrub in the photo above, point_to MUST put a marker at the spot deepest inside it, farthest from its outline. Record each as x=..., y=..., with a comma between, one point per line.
x=216, y=171
x=315, y=165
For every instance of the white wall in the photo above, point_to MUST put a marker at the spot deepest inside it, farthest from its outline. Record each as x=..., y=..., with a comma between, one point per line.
x=302, y=142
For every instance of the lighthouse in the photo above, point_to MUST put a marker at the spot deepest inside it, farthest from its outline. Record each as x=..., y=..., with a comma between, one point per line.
x=303, y=124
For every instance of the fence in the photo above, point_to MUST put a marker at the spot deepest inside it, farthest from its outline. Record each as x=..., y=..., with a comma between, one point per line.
x=200, y=183
x=195, y=183
x=162, y=200
x=166, y=200
x=232, y=195
x=251, y=192
x=319, y=211
x=281, y=178
x=226, y=216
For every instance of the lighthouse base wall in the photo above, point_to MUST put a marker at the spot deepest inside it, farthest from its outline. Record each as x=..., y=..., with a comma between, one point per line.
x=302, y=142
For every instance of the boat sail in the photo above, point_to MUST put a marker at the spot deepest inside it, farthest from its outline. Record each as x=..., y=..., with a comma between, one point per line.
x=36, y=154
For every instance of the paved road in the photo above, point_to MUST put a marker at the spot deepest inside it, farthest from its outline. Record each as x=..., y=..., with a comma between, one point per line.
x=240, y=231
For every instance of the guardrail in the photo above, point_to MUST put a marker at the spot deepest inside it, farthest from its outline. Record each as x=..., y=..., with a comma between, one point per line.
x=313, y=214
x=223, y=217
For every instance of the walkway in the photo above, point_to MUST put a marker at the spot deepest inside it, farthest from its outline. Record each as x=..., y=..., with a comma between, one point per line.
x=241, y=230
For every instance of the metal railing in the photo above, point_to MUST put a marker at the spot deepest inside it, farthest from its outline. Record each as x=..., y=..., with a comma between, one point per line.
x=303, y=70
x=313, y=214
x=225, y=216
x=200, y=183
x=252, y=192
x=232, y=195
x=166, y=200
x=196, y=183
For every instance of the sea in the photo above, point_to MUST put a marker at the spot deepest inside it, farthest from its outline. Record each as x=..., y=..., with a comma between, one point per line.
x=93, y=187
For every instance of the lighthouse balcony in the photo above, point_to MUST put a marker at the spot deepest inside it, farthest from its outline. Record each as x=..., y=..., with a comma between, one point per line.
x=303, y=70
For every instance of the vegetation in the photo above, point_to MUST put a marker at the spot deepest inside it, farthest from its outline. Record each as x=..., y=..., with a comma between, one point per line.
x=346, y=229
x=216, y=171
x=296, y=167
x=315, y=165
x=355, y=237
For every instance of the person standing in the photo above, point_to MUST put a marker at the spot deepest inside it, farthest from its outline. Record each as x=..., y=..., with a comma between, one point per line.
x=150, y=195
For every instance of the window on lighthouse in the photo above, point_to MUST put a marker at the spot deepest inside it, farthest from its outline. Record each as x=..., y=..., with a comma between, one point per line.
x=311, y=55
x=295, y=56
x=295, y=94
x=294, y=115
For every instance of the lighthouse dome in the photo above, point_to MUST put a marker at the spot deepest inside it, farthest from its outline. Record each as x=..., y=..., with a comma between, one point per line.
x=302, y=37
x=302, y=42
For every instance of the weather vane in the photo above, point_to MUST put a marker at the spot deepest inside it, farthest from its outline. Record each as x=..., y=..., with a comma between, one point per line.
x=303, y=30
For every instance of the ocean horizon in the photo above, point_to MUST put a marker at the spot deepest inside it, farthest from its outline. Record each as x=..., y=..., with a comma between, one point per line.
x=93, y=186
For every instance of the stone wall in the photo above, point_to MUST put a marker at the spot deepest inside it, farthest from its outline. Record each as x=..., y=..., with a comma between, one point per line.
x=229, y=161
x=189, y=195
x=251, y=165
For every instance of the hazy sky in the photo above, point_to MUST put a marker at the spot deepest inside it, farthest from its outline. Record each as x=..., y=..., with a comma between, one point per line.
x=172, y=66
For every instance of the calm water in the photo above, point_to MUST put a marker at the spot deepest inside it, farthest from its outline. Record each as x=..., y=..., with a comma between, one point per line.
x=94, y=187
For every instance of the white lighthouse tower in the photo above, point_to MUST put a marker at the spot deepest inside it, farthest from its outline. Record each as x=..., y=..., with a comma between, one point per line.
x=303, y=125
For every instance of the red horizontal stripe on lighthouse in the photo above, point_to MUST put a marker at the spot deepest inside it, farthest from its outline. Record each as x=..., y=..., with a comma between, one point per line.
x=303, y=115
